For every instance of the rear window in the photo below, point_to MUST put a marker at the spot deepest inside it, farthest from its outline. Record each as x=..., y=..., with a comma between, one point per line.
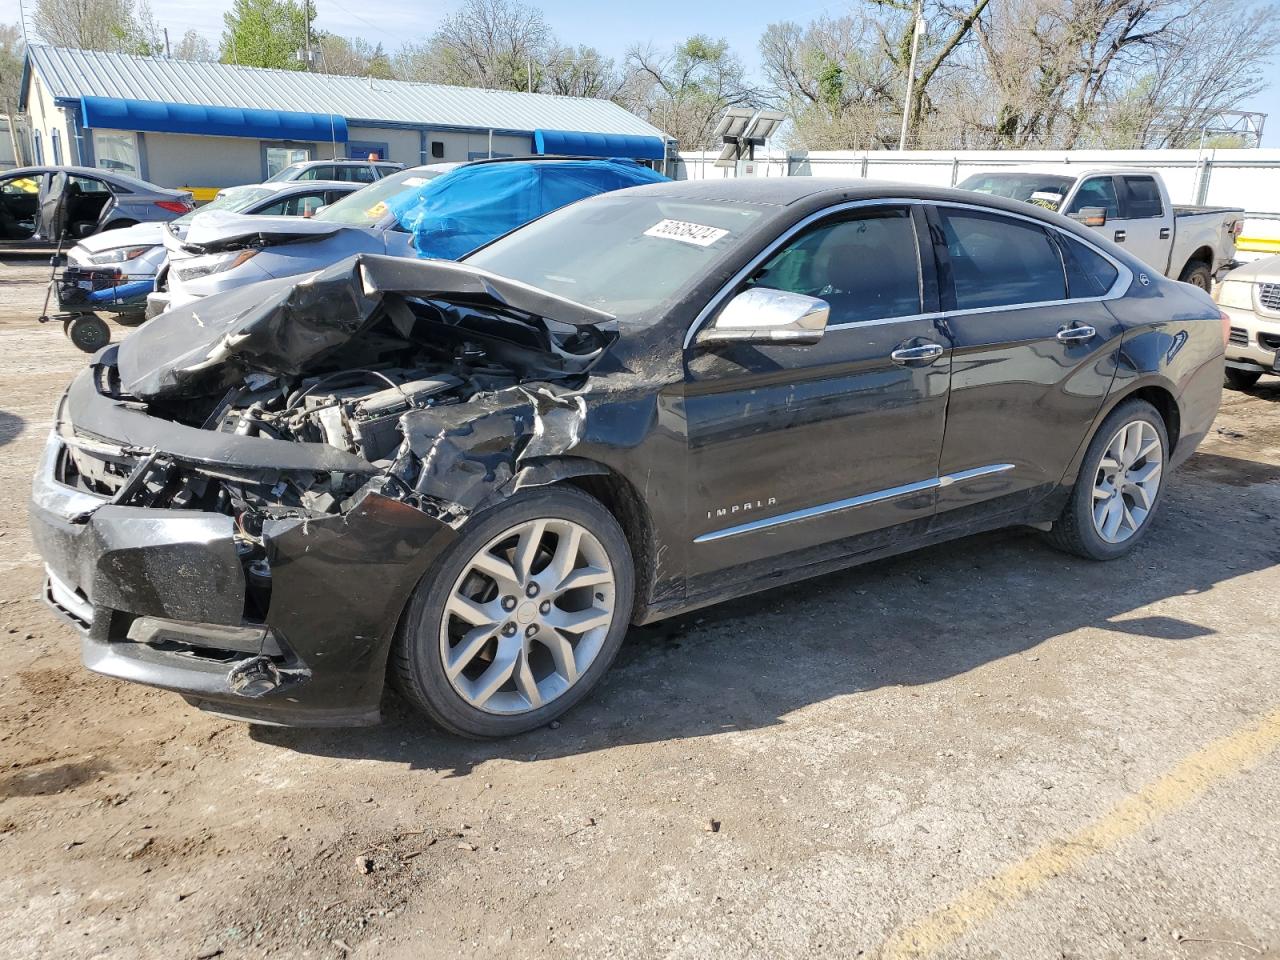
x=998, y=261
x=1142, y=198
x=1089, y=274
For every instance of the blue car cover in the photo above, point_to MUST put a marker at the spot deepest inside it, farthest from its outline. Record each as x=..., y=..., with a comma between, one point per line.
x=465, y=208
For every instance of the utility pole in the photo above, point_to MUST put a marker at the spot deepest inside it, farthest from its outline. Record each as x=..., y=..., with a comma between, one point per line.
x=167, y=54
x=917, y=32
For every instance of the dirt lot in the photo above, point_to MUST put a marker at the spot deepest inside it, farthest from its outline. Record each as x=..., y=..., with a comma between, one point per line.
x=987, y=749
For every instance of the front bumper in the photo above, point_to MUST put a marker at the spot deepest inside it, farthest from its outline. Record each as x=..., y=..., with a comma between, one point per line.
x=159, y=597
x=1254, y=342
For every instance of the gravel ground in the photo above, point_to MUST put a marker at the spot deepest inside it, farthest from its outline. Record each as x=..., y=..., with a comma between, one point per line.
x=986, y=749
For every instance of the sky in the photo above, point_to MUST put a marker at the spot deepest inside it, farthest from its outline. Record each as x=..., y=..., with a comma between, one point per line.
x=610, y=26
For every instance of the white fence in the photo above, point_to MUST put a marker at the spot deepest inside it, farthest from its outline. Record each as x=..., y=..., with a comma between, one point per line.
x=1229, y=178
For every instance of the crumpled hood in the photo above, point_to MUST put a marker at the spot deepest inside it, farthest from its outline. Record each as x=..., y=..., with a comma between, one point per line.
x=139, y=235
x=280, y=326
x=222, y=230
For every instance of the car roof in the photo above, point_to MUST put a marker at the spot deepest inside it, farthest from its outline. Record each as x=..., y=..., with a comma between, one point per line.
x=341, y=161
x=97, y=172
x=285, y=186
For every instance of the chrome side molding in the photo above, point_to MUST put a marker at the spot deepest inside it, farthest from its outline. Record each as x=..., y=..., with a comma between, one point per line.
x=850, y=503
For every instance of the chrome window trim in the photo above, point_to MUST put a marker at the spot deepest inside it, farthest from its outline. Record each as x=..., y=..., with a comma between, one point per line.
x=1124, y=277
x=892, y=493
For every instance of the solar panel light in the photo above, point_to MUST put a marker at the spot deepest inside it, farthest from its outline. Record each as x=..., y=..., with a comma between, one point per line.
x=762, y=126
x=733, y=124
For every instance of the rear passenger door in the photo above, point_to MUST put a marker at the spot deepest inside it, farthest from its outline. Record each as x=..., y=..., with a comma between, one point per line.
x=1034, y=350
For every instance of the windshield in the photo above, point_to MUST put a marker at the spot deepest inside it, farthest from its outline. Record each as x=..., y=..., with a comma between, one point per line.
x=233, y=201
x=285, y=173
x=368, y=205
x=1051, y=188
x=624, y=255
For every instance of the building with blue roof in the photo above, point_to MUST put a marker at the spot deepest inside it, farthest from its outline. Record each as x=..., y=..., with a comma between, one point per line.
x=205, y=125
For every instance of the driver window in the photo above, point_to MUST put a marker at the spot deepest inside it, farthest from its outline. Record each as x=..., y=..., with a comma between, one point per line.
x=865, y=266
x=1097, y=192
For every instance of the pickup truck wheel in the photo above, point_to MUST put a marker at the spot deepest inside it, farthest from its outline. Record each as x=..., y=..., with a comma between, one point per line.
x=1119, y=486
x=1235, y=379
x=519, y=618
x=1197, y=274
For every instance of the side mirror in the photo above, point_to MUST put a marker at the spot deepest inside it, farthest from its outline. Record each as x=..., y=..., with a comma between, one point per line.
x=1090, y=216
x=761, y=315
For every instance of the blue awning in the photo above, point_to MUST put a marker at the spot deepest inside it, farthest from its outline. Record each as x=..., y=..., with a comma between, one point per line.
x=153, y=117
x=570, y=143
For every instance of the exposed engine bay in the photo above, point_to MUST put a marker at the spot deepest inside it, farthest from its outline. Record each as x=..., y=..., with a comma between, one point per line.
x=433, y=398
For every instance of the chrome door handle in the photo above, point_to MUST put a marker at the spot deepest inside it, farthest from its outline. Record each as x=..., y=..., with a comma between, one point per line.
x=1073, y=334
x=925, y=351
x=1119, y=236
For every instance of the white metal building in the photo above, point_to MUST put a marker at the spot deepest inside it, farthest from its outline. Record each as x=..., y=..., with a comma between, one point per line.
x=185, y=123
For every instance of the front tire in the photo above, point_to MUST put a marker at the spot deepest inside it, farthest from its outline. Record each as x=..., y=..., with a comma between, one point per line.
x=1119, y=487
x=1234, y=379
x=519, y=618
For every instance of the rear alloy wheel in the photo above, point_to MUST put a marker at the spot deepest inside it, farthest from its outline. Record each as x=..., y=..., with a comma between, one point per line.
x=521, y=617
x=1240, y=379
x=1197, y=274
x=1119, y=486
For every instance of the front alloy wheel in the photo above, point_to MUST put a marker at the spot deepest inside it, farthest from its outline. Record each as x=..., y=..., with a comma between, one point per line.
x=520, y=617
x=527, y=616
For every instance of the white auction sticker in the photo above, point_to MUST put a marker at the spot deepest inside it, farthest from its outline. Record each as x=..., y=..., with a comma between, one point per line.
x=696, y=233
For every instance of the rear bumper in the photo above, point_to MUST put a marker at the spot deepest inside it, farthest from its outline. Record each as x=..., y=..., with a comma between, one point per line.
x=159, y=597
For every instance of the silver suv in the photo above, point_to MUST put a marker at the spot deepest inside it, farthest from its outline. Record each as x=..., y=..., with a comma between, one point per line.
x=1250, y=297
x=347, y=171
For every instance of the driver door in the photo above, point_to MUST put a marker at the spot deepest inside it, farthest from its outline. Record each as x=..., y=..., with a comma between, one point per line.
x=791, y=446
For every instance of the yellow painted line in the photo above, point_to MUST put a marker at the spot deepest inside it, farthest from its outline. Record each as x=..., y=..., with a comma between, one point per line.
x=1184, y=783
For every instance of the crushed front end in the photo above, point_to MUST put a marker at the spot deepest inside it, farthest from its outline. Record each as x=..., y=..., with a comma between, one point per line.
x=242, y=518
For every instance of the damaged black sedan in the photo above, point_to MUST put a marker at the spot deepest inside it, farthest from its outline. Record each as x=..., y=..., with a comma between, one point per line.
x=470, y=478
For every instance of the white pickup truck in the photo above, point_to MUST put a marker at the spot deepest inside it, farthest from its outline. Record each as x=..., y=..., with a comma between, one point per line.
x=1130, y=207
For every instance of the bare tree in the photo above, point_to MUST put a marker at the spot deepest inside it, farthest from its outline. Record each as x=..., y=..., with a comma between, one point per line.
x=686, y=90
x=113, y=25
x=580, y=71
x=193, y=46
x=496, y=44
x=11, y=55
x=353, y=57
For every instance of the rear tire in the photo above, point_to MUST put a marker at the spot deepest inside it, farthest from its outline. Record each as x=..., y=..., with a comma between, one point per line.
x=1197, y=274
x=461, y=605
x=1234, y=379
x=1080, y=529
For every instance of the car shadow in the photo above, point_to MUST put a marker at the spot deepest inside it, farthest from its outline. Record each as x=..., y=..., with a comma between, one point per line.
x=909, y=621
x=11, y=427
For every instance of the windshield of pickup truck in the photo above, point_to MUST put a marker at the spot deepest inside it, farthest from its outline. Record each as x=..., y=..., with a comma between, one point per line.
x=1043, y=189
x=368, y=205
x=624, y=255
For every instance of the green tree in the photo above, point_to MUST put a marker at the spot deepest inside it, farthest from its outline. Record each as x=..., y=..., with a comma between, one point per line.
x=267, y=33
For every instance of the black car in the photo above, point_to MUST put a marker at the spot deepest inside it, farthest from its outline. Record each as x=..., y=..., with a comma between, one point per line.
x=472, y=477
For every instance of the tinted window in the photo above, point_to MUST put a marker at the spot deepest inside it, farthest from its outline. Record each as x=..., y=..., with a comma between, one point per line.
x=1097, y=192
x=997, y=261
x=866, y=267
x=316, y=173
x=1142, y=198
x=357, y=174
x=303, y=205
x=1089, y=274
x=1021, y=186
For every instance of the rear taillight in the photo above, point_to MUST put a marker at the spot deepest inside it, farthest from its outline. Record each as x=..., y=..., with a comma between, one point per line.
x=1237, y=228
x=175, y=206
x=1226, y=326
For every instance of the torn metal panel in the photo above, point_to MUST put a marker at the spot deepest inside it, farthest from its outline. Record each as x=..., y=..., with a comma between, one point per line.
x=283, y=326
